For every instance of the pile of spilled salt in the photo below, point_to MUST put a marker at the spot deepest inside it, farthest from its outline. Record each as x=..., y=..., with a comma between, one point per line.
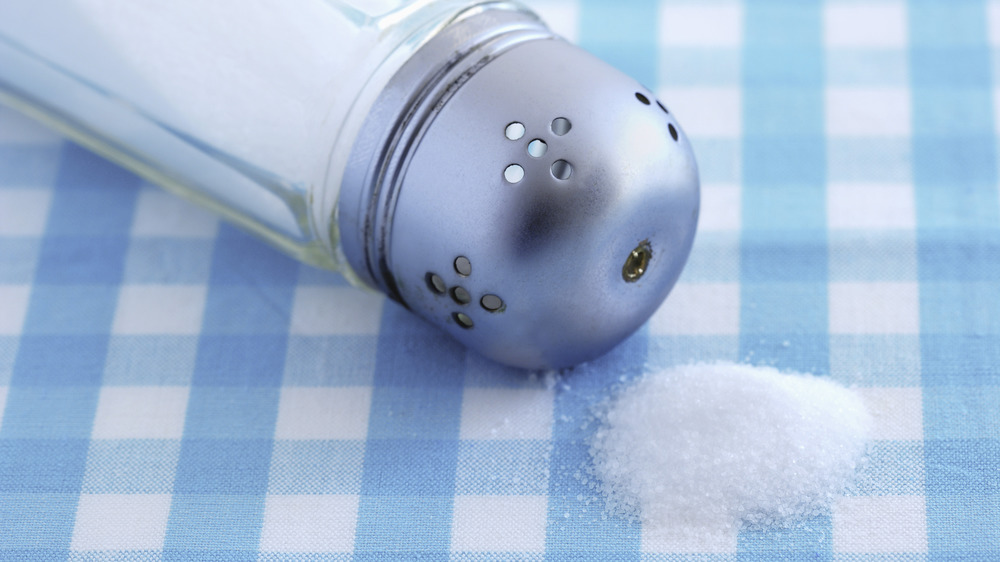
x=722, y=446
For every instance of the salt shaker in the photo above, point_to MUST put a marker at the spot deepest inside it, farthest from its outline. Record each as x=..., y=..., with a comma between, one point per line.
x=520, y=194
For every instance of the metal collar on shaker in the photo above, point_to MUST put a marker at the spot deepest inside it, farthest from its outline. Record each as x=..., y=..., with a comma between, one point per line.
x=514, y=190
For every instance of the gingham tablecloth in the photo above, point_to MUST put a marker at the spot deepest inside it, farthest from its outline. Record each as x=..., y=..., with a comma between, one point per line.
x=172, y=388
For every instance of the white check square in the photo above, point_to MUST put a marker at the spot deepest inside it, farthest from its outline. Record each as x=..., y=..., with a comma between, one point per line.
x=897, y=412
x=993, y=22
x=874, y=308
x=699, y=309
x=877, y=24
x=499, y=524
x=874, y=524
x=109, y=522
x=162, y=214
x=140, y=412
x=690, y=24
x=306, y=413
x=707, y=112
x=672, y=540
x=159, y=309
x=562, y=16
x=325, y=311
x=24, y=212
x=721, y=207
x=868, y=112
x=309, y=523
x=506, y=413
x=870, y=206
x=13, y=308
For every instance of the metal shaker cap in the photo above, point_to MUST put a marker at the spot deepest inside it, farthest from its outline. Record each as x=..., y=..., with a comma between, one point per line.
x=542, y=212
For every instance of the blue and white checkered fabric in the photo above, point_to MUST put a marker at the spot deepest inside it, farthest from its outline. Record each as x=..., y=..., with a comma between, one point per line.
x=171, y=388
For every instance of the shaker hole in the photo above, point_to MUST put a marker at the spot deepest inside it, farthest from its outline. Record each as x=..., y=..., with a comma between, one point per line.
x=463, y=266
x=513, y=174
x=562, y=170
x=561, y=126
x=460, y=295
x=642, y=98
x=537, y=148
x=673, y=130
x=663, y=107
x=514, y=131
x=436, y=284
x=462, y=320
x=491, y=303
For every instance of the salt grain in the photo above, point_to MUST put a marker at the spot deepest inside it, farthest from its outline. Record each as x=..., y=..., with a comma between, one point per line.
x=719, y=446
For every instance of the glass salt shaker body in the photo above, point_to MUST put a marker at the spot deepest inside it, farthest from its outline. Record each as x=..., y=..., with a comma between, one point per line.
x=513, y=190
x=248, y=108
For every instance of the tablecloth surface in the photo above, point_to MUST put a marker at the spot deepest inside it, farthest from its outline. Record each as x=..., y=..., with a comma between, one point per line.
x=172, y=388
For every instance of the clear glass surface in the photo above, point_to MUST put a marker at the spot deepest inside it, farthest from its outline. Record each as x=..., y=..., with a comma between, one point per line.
x=245, y=106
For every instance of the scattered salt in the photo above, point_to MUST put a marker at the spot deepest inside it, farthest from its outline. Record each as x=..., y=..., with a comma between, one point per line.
x=720, y=446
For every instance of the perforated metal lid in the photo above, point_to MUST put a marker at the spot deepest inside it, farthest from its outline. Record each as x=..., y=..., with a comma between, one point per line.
x=538, y=205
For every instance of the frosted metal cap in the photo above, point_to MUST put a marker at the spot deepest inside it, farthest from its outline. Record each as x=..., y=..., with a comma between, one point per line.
x=534, y=203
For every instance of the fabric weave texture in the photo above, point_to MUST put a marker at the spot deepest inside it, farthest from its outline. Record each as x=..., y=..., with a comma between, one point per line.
x=172, y=388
